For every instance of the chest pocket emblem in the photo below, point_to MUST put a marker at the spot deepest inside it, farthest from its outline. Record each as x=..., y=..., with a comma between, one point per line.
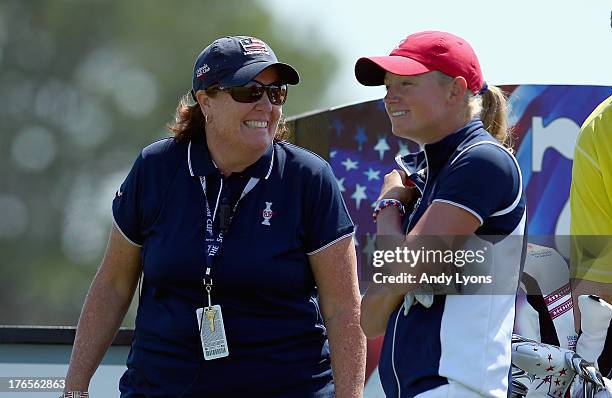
x=267, y=214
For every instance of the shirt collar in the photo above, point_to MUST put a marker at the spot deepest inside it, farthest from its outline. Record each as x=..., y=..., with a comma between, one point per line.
x=198, y=158
x=439, y=152
x=435, y=155
x=263, y=167
x=201, y=164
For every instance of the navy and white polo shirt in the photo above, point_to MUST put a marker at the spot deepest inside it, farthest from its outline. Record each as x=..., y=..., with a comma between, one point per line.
x=462, y=339
x=262, y=278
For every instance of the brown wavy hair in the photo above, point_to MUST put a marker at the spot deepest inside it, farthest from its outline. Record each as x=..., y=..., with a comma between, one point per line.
x=189, y=120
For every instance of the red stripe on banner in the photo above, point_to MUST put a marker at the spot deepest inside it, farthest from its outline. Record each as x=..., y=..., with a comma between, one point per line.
x=557, y=294
x=561, y=309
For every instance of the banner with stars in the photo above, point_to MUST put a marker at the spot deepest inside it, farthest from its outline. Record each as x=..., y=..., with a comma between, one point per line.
x=545, y=120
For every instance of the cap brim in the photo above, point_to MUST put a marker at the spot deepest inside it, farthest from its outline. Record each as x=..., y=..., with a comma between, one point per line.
x=370, y=71
x=242, y=76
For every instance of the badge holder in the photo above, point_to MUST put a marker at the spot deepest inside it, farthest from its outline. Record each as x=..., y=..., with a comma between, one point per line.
x=212, y=330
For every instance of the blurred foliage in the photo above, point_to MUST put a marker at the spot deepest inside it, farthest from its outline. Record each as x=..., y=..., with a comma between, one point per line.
x=84, y=85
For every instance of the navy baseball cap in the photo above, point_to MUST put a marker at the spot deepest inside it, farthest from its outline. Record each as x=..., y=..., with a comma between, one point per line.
x=235, y=60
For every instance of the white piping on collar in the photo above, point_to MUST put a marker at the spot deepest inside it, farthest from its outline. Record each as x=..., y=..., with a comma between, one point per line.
x=189, y=159
x=422, y=172
x=427, y=172
x=398, y=160
x=271, y=164
x=193, y=175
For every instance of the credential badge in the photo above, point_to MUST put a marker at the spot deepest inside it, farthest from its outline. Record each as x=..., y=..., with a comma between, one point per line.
x=267, y=213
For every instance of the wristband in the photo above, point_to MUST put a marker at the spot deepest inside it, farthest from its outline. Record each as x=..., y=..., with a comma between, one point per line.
x=386, y=203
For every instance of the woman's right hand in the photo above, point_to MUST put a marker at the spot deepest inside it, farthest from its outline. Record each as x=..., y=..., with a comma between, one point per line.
x=397, y=185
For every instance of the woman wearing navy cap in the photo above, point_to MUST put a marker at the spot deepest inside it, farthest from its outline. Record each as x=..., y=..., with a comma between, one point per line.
x=464, y=181
x=245, y=246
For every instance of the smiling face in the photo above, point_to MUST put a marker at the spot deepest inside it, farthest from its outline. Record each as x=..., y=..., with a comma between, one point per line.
x=418, y=106
x=241, y=131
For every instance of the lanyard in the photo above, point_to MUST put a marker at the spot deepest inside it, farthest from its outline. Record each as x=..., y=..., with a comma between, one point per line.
x=214, y=241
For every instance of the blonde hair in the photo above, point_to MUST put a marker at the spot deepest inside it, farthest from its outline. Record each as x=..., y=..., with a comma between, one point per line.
x=491, y=107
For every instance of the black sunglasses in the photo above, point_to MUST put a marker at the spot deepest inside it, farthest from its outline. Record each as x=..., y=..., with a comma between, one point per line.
x=254, y=90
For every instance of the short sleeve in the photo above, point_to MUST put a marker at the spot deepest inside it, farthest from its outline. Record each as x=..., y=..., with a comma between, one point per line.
x=591, y=188
x=127, y=205
x=326, y=218
x=483, y=180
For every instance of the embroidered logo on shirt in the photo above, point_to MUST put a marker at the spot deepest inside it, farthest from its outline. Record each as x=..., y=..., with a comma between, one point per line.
x=267, y=213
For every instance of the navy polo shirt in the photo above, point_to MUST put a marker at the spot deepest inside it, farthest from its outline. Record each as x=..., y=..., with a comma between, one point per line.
x=461, y=339
x=262, y=278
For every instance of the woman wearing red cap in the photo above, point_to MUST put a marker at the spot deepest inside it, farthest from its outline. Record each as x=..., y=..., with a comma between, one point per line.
x=463, y=182
x=249, y=284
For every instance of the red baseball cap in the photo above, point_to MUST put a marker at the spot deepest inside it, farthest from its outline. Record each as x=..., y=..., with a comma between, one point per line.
x=424, y=52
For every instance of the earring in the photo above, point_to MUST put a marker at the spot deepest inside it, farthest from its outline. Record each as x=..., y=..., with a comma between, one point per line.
x=206, y=119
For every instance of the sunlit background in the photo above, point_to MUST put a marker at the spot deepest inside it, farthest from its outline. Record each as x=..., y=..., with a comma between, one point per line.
x=85, y=84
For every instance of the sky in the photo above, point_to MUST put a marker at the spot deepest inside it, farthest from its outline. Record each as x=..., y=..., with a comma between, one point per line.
x=517, y=42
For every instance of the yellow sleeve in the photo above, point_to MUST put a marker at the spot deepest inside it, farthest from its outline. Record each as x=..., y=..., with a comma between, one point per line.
x=590, y=197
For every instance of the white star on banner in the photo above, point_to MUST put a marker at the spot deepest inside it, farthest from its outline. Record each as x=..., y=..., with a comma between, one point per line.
x=350, y=164
x=359, y=195
x=341, y=184
x=372, y=174
x=403, y=149
x=370, y=246
x=332, y=154
x=382, y=147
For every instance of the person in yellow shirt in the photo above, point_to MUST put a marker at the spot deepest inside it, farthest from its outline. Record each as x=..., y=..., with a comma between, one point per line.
x=591, y=208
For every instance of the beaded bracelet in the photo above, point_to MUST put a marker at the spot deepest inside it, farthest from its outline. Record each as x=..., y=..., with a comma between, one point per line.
x=386, y=203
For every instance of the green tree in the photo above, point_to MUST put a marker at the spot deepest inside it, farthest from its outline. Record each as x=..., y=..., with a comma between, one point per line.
x=86, y=84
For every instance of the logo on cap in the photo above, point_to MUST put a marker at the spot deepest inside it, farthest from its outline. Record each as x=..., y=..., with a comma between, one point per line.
x=201, y=71
x=251, y=45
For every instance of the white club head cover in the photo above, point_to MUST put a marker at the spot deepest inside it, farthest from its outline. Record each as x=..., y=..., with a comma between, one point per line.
x=596, y=314
x=527, y=319
x=551, y=272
